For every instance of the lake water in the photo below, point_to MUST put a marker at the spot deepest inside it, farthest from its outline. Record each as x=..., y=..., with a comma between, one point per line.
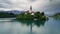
x=10, y=26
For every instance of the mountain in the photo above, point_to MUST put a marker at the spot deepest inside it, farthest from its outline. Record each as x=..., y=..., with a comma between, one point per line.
x=13, y=11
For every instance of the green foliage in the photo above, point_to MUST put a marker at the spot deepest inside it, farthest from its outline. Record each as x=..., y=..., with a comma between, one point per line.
x=37, y=15
x=42, y=13
x=57, y=16
x=28, y=16
x=6, y=15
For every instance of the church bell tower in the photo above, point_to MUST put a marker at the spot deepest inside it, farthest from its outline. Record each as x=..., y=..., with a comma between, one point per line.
x=30, y=9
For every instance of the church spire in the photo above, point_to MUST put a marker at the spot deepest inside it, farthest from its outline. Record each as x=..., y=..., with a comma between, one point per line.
x=31, y=8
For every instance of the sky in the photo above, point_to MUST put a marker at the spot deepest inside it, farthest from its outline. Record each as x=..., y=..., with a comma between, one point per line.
x=37, y=5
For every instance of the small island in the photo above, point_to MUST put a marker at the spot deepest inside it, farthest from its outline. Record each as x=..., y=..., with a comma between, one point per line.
x=31, y=15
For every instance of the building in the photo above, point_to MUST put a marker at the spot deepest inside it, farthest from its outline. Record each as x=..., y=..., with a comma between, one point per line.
x=30, y=11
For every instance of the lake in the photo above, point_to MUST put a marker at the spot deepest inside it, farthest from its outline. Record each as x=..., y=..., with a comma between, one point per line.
x=10, y=26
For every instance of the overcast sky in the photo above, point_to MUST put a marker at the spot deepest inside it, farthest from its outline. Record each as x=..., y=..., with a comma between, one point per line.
x=41, y=5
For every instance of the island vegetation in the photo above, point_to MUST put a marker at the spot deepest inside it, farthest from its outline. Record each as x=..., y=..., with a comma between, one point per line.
x=31, y=16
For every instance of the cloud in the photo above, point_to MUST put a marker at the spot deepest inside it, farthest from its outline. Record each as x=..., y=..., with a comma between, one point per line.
x=42, y=5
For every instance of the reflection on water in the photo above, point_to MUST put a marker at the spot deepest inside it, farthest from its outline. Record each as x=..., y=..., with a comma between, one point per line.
x=10, y=26
x=31, y=23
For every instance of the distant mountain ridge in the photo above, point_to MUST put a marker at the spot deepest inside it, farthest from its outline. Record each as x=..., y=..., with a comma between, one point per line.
x=13, y=11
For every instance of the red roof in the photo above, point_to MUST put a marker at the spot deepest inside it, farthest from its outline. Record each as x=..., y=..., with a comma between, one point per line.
x=32, y=12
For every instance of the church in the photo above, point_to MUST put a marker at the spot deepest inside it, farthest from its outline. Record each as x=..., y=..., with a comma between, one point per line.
x=30, y=11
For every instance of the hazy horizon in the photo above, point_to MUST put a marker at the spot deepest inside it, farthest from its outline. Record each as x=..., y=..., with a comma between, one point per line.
x=48, y=6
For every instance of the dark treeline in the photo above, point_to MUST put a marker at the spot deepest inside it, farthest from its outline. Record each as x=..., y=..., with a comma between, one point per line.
x=28, y=16
x=6, y=15
x=57, y=16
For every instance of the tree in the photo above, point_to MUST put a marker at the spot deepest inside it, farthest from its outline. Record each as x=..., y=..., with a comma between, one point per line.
x=37, y=15
x=42, y=13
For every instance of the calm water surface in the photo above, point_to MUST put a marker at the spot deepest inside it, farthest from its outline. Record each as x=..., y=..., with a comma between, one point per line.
x=10, y=26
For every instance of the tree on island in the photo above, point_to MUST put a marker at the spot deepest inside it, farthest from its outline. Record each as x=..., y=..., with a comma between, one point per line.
x=28, y=16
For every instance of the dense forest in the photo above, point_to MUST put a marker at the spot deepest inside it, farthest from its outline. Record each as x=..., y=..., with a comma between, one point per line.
x=57, y=16
x=29, y=16
x=6, y=15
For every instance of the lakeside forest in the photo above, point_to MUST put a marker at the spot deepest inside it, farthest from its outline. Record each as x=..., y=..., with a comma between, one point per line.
x=6, y=15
